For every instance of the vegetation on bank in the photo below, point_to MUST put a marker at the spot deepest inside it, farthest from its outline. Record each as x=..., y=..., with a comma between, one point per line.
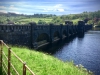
x=44, y=64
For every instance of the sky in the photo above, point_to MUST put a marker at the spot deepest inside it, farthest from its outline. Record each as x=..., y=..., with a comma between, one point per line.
x=57, y=7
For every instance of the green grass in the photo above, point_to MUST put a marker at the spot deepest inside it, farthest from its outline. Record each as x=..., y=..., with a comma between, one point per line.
x=75, y=21
x=44, y=64
x=27, y=20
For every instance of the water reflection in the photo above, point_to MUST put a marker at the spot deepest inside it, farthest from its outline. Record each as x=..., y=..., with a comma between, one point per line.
x=96, y=28
x=56, y=46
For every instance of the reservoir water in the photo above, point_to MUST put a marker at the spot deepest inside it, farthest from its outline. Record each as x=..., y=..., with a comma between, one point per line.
x=83, y=50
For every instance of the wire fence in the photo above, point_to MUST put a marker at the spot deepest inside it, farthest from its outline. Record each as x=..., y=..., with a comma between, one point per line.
x=5, y=62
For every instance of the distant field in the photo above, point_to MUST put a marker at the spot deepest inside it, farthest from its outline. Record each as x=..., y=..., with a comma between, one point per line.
x=75, y=21
x=27, y=20
x=47, y=20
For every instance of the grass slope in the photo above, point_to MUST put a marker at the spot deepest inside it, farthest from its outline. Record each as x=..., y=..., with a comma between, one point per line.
x=44, y=64
x=75, y=21
x=27, y=20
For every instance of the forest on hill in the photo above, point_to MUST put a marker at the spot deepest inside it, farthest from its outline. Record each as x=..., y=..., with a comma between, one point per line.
x=88, y=17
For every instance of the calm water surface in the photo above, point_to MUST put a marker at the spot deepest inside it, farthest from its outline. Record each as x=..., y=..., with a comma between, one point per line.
x=85, y=51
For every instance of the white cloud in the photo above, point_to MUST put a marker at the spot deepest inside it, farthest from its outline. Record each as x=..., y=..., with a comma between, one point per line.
x=2, y=7
x=58, y=6
x=4, y=11
x=12, y=7
x=14, y=12
x=61, y=10
x=54, y=8
x=45, y=11
x=23, y=7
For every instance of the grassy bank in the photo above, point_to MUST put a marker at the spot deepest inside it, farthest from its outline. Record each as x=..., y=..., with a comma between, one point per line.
x=44, y=64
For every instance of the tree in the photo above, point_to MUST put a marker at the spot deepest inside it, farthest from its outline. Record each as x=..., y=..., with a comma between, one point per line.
x=86, y=20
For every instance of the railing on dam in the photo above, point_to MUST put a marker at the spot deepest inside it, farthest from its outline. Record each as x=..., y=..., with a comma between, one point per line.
x=9, y=28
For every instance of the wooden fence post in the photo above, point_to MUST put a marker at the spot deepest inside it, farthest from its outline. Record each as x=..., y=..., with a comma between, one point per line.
x=1, y=47
x=9, y=60
x=24, y=68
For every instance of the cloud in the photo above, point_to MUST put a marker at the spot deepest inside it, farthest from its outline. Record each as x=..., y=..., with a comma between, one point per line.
x=15, y=12
x=2, y=7
x=61, y=10
x=4, y=11
x=54, y=8
x=58, y=6
x=12, y=7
